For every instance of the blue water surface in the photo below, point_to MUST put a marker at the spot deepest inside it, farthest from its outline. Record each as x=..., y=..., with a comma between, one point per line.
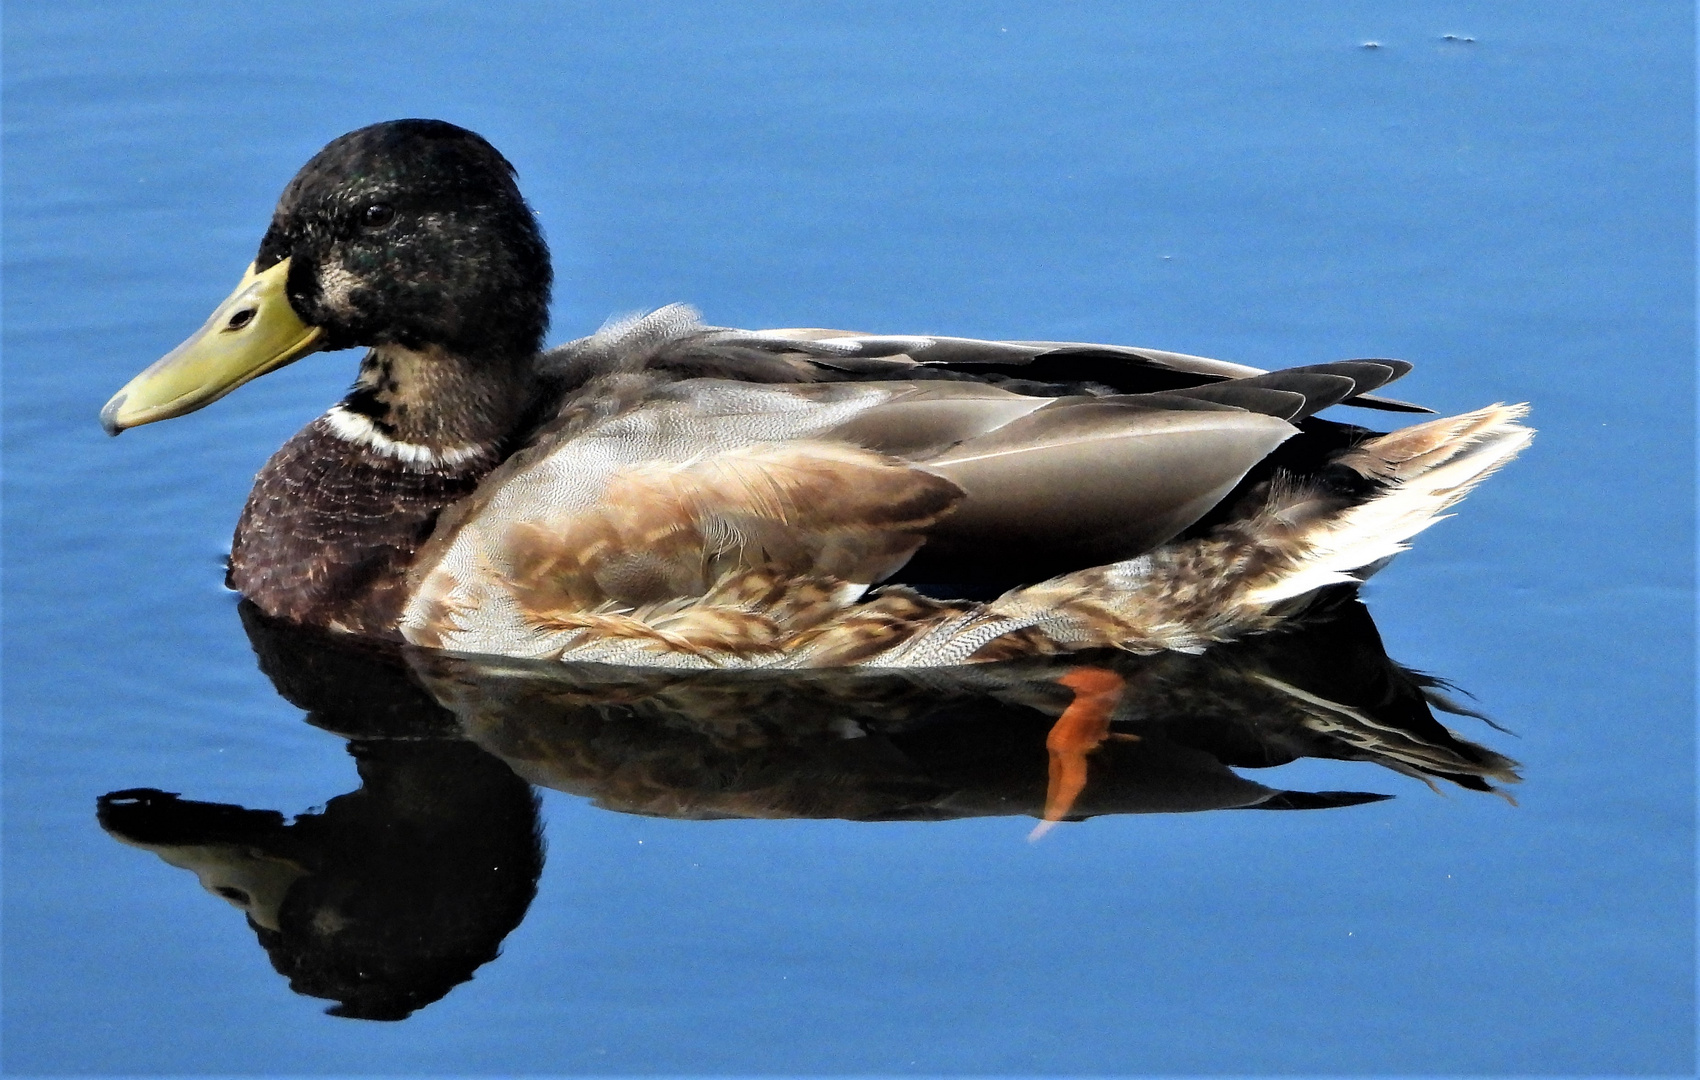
x=1502, y=194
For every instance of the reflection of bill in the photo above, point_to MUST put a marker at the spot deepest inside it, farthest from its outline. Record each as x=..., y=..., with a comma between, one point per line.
x=226, y=847
x=396, y=892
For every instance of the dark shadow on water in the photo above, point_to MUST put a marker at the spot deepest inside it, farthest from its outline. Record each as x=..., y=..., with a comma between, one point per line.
x=395, y=893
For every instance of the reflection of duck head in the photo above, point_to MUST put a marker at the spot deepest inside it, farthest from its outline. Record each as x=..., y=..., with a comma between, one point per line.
x=392, y=894
x=383, y=901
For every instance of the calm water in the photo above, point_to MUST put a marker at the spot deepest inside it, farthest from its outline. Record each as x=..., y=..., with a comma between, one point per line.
x=1510, y=206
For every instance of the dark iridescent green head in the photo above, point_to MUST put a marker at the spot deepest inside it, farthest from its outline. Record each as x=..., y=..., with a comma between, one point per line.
x=414, y=233
x=409, y=233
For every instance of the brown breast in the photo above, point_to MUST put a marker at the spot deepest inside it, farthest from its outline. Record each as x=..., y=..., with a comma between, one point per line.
x=331, y=527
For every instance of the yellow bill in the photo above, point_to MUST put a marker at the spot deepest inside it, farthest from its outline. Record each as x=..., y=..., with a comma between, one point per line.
x=254, y=331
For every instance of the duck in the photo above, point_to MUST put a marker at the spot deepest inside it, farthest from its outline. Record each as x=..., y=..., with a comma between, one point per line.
x=669, y=493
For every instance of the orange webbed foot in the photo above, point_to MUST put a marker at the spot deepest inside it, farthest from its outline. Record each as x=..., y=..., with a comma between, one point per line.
x=1081, y=729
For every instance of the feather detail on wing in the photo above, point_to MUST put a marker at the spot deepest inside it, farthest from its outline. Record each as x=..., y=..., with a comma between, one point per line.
x=663, y=531
x=674, y=340
x=729, y=553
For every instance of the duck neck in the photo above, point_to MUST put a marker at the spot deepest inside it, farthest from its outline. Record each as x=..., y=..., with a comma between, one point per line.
x=431, y=406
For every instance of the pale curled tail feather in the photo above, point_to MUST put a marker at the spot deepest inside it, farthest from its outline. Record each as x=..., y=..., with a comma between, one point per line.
x=1428, y=468
x=1408, y=451
x=1235, y=581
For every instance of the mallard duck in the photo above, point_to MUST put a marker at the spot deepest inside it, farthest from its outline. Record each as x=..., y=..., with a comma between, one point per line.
x=669, y=493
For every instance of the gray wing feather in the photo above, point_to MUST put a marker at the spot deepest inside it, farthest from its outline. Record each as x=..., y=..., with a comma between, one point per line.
x=1080, y=483
x=674, y=340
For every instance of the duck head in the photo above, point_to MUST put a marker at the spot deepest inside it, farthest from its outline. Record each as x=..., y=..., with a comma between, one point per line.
x=409, y=237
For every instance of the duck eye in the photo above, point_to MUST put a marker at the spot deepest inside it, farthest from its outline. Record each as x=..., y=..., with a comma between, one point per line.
x=377, y=215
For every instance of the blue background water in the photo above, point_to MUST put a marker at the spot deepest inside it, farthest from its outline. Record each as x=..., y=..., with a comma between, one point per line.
x=1513, y=211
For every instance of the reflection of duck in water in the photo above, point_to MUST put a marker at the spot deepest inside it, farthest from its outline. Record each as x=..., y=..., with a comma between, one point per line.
x=1123, y=734
x=395, y=893
x=669, y=494
x=389, y=896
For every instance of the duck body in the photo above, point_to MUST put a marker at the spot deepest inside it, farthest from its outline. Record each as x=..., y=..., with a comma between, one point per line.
x=669, y=493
